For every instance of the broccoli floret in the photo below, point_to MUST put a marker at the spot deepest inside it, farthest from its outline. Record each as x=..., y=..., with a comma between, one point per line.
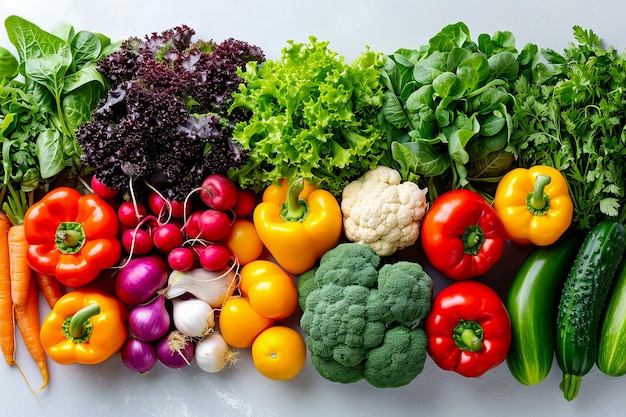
x=404, y=291
x=398, y=360
x=361, y=321
x=341, y=264
x=306, y=284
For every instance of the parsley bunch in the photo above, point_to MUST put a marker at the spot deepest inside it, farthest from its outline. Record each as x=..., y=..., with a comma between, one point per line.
x=572, y=118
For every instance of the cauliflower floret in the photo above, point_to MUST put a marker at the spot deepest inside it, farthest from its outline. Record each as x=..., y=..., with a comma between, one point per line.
x=382, y=212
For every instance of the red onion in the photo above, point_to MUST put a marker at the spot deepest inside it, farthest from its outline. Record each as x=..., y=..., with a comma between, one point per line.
x=150, y=322
x=138, y=355
x=176, y=350
x=141, y=278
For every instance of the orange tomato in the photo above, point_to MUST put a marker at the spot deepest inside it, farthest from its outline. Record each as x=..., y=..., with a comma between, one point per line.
x=244, y=241
x=272, y=291
x=279, y=353
x=240, y=324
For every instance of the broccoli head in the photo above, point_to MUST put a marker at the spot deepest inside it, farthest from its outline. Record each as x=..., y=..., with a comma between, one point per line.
x=362, y=319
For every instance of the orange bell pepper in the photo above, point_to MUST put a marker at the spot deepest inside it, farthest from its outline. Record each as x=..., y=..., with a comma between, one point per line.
x=298, y=223
x=534, y=205
x=85, y=326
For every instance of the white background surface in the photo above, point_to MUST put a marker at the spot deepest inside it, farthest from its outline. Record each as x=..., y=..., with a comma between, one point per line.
x=349, y=25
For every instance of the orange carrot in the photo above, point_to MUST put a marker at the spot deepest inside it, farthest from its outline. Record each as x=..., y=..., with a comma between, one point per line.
x=50, y=287
x=21, y=273
x=7, y=323
x=28, y=322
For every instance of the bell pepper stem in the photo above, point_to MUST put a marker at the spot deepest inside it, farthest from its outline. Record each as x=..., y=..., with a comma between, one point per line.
x=472, y=340
x=69, y=237
x=295, y=209
x=473, y=239
x=538, y=201
x=468, y=335
x=78, y=327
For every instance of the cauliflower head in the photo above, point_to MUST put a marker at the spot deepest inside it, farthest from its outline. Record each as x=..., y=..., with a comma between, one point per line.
x=382, y=212
x=362, y=320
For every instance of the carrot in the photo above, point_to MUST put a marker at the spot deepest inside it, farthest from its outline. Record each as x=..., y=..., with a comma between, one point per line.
x=20, y=271
x=7, y=323
x=28, y=322
x=50, y=287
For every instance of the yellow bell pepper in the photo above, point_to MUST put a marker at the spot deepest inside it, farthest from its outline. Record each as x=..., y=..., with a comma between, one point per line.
x=85, y=326
x=298, y=223
x=534, y=205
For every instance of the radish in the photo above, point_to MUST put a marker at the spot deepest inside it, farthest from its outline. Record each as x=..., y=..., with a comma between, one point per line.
x=101, y=190
x=167, y=237
x=137, y=241
x=218, y=192
x=130, y=214
x=161, y=207
x=191, y=228
x=181, y=258
x=214, y=257
x=213, y=225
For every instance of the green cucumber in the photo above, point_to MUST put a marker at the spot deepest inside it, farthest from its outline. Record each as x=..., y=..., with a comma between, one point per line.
x=582, y=303
x=531, y=301
x=612, y=346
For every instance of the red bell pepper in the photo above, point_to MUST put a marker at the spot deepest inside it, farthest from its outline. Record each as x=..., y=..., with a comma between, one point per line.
x=71, y=236
x=468, y=329
x=462, y=235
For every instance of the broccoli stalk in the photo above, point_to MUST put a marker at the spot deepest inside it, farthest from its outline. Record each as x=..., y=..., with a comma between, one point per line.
x=362, y=320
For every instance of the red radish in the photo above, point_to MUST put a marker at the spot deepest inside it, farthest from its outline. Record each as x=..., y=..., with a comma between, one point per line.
x=181, y=259
x=130, y=217
x=191, y=228
x=213, y=224
x=245, y=204
x=101, y=190
x=214, y=257
x=218, y=192
x=160, y=207
x=167, y=237
x=143, y=243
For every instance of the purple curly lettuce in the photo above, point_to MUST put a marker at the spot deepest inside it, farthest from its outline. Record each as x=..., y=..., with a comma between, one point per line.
x=165, y=119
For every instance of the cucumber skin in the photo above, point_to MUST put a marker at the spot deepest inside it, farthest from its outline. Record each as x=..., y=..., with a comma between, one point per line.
x=531, y=301
x=612, y=346
x=582, y=303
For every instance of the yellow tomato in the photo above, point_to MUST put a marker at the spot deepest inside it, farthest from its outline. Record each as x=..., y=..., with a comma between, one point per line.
x=254, y=271
x=244, y=241
x=274, y=296
x=240, y=324
x=272, y=291
x=279, y=353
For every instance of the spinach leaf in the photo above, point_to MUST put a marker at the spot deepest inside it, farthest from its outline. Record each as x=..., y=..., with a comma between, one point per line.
x=8, y=65
x=50, y=153
x=455, y=106
x=57, y=91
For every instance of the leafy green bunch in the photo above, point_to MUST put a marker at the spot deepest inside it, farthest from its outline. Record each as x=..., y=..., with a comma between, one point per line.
x=312, y=116
x=447, y=108
x=572, y=118
x=46, y=92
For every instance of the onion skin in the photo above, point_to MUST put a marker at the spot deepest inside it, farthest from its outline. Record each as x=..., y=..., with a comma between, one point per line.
x=151, y=321
x=176, y=350
x=138, y=355
x=141, y=278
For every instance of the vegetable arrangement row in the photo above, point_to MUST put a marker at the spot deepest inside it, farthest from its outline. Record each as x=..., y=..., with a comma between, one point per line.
x=179, y=200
